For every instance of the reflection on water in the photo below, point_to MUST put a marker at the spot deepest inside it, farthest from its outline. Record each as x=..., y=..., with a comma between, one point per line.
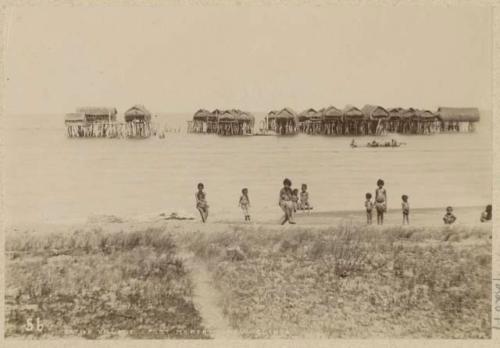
x=51, y=177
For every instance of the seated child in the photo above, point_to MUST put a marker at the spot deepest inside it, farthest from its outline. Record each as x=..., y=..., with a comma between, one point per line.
x=486, y=215
x=449, y=218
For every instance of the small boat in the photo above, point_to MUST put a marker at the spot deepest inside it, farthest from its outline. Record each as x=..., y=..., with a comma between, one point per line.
x=392, y=143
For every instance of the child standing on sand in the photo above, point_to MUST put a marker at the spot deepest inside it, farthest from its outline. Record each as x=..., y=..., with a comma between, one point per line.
x=405, y=206
x=201, y=202
x=369, y=208
x=380, y=201
x=285, y=202
x=245, y=203
x=295, y=199
x=304, y=199
x=449, y=218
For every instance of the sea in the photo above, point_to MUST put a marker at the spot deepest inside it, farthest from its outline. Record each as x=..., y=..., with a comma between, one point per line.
x=48, y=177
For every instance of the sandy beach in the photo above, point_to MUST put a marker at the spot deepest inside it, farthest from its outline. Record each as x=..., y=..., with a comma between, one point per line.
x=426, y=217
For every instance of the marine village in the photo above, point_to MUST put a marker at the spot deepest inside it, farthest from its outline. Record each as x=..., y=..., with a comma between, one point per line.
x=330, y=121
x=101, y=122
x=349, y=121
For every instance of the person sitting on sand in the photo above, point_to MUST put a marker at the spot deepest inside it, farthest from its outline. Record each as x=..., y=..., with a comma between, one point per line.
x=201, y=202
x=449, y=218
x=245, y=203
x=285, y=202
x=304, y=199
x=405, y=206
x=369, y=208
x=380, y=201
x=486, y=215
x=353, y=143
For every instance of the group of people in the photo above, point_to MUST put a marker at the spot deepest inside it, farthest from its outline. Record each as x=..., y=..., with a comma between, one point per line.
x=290, y=200
x=380, y=206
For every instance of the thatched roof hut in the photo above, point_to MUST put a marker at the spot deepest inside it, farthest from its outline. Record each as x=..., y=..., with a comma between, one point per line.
x=308, y=114
x=332, y=113
x=352, y=112
x=216, y=112
x=374, y=112
x=424, y=115
x=395, y=113
x=93, y=113
x=271, y=115
x=246, y=117
x=202, y=115
x=137, y=112
x=408, y=113
x=447, y=114
x=227, y=116
x=286, y=113
x=75, y=117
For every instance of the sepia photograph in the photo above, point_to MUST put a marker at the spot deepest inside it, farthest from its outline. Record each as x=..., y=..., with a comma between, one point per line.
x=234, y=171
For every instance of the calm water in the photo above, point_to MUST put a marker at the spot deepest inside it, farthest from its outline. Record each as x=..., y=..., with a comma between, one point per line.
x=50, y=177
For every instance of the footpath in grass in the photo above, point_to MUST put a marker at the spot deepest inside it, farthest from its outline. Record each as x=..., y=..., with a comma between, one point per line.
x=96, y=284
x=351, y=281
x=207, y=299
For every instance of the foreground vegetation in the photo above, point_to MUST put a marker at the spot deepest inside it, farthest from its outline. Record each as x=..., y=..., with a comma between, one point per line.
x=95, y=284
x=352, y=281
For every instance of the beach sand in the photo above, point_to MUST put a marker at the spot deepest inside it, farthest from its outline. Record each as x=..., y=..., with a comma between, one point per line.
x=428, y=217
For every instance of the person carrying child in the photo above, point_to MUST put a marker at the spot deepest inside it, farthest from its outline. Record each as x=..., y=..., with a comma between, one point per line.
x=405, y=206
x=449, y=218
x=380, y=201
x=369, y=208
x=245, y=204
x=201, y=202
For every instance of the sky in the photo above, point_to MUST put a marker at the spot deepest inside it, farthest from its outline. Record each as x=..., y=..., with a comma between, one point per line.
x=182, y=58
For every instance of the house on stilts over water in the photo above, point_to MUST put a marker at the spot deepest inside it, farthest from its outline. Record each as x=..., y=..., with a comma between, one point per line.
x=90, y=122
x=138, y=122
x=457, y=119
x=283, y=122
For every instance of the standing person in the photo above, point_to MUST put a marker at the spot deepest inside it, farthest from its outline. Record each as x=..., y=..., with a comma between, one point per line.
x=201, y=202
x=405, y=206
x=245, y=203
x=380, y=201
x=486, y=215
x=369, y=208
x=295, y=199
x=304, y=199
x=285, y=202
x=449, y=218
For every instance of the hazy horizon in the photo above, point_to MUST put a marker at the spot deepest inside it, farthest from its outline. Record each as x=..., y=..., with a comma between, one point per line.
x=254, y=58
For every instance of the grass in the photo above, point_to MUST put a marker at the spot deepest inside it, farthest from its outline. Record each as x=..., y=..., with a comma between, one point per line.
x=98, y=284
x=352, y=281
